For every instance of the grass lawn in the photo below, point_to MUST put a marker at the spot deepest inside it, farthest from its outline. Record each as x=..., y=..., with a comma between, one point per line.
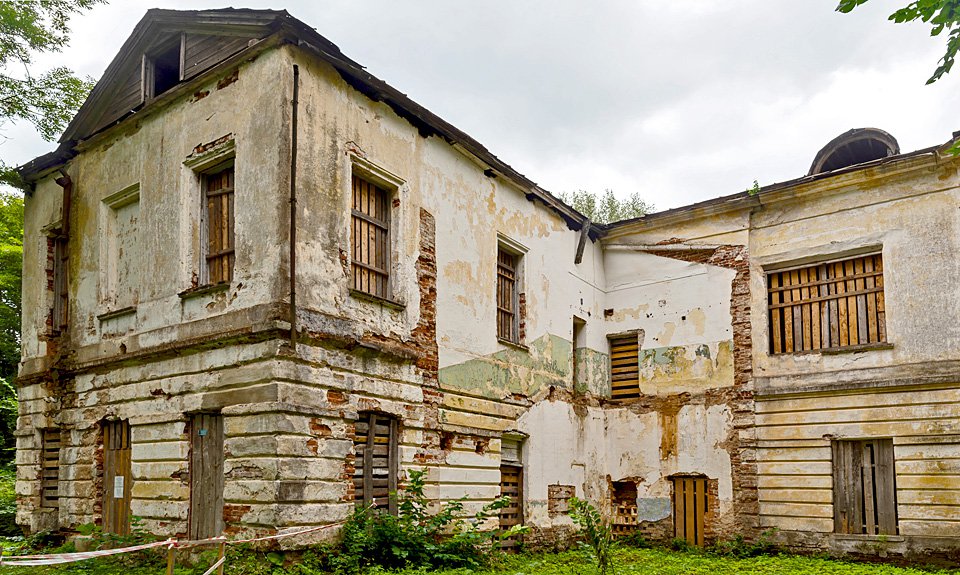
x=665, y=562
x=629, y=561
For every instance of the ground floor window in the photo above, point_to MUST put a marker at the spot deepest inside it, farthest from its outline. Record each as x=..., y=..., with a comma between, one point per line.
x=376, y=461
x=50, y=463
x=864, y=487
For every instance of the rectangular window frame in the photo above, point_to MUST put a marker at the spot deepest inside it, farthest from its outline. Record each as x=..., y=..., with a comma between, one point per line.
x=50, y=448
x=370, y=276
x=624, y=366
x=508, y=296
x=864, y=487
x=218, y=262
x=809, y=306
x=366, y=494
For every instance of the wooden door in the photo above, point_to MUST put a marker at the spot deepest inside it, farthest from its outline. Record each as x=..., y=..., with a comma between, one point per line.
x=117, y=480
x=511, y=485
x=690, y=503
x=206, y=475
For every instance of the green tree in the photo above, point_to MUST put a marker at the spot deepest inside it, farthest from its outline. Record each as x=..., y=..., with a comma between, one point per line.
x=47, y=100
x=607, y=208
x=941, y=15
x=11, y=264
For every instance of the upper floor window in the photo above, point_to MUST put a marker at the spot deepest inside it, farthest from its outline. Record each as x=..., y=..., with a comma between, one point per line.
x=218, y=225
x=370, y=238
x=625, y=366
x=508, y=324
x=830, y=305
x=161, y=68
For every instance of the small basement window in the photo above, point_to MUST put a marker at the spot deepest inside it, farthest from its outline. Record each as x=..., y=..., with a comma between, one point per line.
x=161, y=69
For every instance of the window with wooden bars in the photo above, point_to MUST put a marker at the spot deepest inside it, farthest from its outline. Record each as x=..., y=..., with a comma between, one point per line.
x=50, y=468
x=830, y=305
x=370, y=238
x=508, y=324
x=625, y=367
x=864, y=487
x=218, y=215
x=376, y=455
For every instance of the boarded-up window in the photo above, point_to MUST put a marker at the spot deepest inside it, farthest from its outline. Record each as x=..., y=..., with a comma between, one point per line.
x=375, y=461
x=864, y=487
x=690, y=504
x=117, y=480
x=370, y=237
x=206, y=475
x=511, y=485
x=508, y=328
x=122, y=257
x=624, y=367
x=60, y=296
x=219, y=223
x=830, y=305
x=50, y=468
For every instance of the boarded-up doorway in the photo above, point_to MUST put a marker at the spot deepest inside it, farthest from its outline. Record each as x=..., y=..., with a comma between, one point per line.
x=690, y=504
x=117, y=481
x=511, y=485
x=206, y=475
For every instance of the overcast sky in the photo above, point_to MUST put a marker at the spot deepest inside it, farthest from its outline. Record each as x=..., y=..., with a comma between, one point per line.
x=679, y=100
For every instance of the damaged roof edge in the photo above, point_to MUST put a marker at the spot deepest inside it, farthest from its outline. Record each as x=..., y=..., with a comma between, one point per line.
x=426, y=122
x=746, y=198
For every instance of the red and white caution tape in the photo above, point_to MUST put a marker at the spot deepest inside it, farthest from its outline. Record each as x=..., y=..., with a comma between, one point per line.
x=35, y=560
x=55, y=559
x=283, y=535
x=214, y=566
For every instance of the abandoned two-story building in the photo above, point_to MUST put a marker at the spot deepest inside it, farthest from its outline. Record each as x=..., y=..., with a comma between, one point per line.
x=260, y=285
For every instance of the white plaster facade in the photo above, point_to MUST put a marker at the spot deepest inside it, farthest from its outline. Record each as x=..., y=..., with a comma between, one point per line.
x=146, y=342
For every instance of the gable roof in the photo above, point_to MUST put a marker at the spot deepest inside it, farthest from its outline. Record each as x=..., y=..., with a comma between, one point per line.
x=117, y=94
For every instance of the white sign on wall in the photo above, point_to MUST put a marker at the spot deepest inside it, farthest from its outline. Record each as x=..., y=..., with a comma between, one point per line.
x=118, y=487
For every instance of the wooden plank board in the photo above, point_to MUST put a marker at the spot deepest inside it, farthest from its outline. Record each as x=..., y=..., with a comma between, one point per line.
x=886, y=488
x=776, y=337
x=206, y=475
x=118, y=482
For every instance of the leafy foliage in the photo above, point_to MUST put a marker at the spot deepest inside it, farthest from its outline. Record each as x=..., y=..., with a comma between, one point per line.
x=607, y=208
x=941, y=15
x=741, y=548
x=416, y=537
x=598, y=537
x=47, y=100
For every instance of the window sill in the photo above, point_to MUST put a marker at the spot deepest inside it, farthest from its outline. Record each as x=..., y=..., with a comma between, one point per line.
x=108, y=315
x=513, y=344
x=839, y=350
x=388, y=303
x=204, y=290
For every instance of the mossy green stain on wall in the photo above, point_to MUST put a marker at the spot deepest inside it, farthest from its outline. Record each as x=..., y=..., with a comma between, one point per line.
x=546, y=362
x=688, y=363
x=593, y=372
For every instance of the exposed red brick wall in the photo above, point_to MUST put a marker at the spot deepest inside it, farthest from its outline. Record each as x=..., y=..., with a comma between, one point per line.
x=425, y=338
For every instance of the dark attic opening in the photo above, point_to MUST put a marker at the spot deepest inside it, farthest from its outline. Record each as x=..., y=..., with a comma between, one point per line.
x=854, y=147
x=163, y=69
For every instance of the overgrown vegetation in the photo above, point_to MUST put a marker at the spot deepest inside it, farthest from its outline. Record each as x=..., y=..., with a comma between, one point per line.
x=415, y=537
x=597, y=537
x=606, y=208
x=630, y=561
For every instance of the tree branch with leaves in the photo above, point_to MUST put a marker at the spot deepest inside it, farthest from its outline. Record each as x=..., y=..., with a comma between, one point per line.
x=941, y=15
